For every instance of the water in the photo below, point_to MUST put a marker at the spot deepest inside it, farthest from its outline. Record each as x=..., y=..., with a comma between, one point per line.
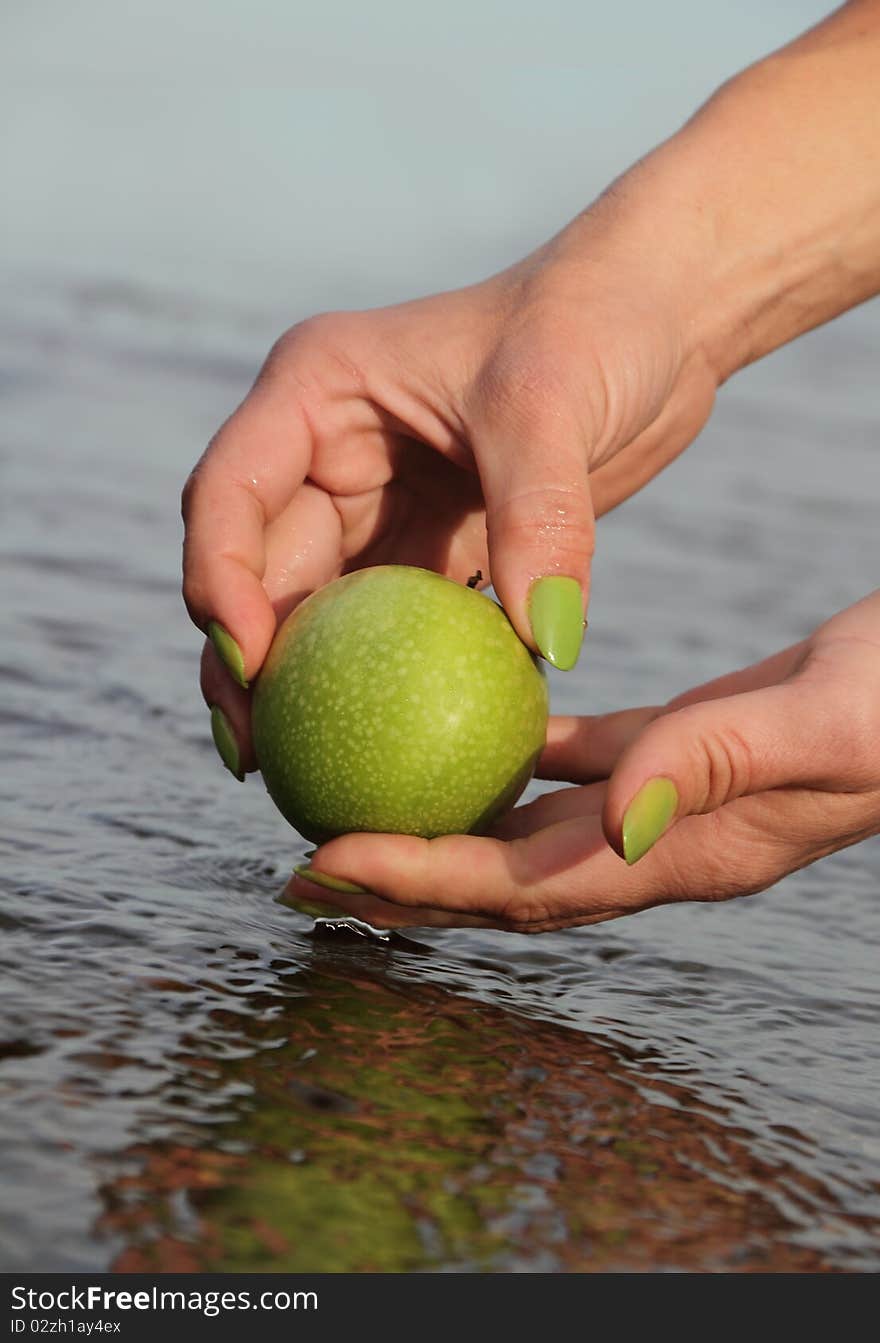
x=190, y=1075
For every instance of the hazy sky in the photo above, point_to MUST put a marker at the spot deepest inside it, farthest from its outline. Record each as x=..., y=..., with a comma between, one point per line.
x=325, y=153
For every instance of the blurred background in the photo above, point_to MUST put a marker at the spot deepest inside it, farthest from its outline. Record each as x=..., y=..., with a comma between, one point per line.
x=190, y=1075
x=300, y=156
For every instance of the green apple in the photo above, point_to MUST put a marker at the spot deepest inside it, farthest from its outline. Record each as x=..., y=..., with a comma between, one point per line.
x=396, y=700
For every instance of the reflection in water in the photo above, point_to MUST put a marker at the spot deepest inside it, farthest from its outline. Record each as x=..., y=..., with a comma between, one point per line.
x=351, y=1122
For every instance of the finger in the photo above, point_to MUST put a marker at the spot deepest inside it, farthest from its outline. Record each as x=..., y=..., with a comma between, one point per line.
x=247, y=477
x=539, y=523
x=529, y=885
x=697, y=758
x=581, y=749
x=566, y=874
x=303, y=547
x=232, y=737
x=322, y=903
x=562, y=804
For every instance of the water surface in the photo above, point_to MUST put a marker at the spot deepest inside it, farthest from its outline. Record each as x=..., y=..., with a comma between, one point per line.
x=189, y=1075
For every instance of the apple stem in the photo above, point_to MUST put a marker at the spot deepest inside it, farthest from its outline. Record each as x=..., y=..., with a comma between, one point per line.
x=475, y=579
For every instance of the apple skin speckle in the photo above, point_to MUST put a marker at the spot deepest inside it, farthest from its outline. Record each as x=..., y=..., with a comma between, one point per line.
x=396, y=700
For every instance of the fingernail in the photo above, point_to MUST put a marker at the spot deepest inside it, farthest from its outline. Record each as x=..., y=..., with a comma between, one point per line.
x=556, y=615
x=314, y=908
x=229, y=652
x=647, y=817
x=224, y=740
x=307, y=872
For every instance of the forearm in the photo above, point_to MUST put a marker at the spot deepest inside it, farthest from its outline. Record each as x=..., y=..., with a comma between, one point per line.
x=787, y=165
x=764, y=210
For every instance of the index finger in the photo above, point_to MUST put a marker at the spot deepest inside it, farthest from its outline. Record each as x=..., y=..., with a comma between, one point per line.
x=246, y=477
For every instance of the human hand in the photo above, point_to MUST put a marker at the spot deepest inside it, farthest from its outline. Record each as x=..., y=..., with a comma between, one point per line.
x=746, y=778
x=476, y=430
x=484, y=429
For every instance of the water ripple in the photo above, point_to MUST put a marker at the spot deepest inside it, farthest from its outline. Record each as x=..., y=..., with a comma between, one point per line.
x=178, y=1048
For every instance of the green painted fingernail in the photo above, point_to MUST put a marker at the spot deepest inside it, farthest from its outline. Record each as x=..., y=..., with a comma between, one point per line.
x=229, y=652
x=313, y=908
x=556, y=615
x=647, y=817
x=224, y=740
x=307, y=872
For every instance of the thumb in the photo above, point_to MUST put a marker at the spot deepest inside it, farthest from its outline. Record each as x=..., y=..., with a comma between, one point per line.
x=695, y=759
x=540, y=531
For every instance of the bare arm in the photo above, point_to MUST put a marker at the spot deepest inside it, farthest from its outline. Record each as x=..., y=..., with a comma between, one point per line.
x=766, y=205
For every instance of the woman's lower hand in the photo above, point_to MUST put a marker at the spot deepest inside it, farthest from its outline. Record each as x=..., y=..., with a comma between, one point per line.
x=721, y=792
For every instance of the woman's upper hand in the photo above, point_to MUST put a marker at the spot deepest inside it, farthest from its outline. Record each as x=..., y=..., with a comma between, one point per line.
x=719, y=793
x=475, y=430
x=484, y=429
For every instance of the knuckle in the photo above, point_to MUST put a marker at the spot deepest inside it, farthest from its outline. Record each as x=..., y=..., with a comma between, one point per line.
x=533, y=380
x=553, y=516
x=317, y=353
x=523, y=388
x=318, y=330
x=523, y=913
x=520, y=905
x=726, y=764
